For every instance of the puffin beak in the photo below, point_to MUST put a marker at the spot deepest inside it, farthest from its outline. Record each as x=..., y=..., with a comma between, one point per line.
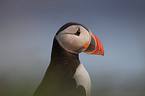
x=94, y=46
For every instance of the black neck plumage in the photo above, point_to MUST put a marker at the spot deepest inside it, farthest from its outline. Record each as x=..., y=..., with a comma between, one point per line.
x=62, y=61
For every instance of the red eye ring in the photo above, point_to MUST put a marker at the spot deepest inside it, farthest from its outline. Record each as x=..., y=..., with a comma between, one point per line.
x=78, y=32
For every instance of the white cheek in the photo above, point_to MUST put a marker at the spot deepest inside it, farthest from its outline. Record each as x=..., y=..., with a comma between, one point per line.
x=71, y=42
x=84, y=35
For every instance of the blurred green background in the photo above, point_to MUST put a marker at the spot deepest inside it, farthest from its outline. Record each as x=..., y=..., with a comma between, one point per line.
x=27, y=28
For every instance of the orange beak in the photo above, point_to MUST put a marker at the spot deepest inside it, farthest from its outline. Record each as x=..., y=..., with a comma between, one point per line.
x=95, y=46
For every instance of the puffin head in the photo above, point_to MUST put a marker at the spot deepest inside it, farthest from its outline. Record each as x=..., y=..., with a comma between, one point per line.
x=76, y=38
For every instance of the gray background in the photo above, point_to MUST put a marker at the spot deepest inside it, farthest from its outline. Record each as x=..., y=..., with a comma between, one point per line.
x=27, y=28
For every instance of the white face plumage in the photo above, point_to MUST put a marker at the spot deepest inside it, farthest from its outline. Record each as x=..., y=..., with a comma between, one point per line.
x=73, y=38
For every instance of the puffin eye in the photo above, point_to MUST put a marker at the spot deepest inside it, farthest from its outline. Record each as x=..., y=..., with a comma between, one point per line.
x=78, y=32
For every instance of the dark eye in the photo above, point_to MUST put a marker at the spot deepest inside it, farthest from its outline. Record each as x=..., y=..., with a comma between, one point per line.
x=78, y=32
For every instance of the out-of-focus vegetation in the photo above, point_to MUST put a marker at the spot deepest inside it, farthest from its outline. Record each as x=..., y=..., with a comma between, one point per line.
x=101, y=86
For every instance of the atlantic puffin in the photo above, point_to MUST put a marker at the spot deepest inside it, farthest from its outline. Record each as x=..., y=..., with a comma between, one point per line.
x=66, y=76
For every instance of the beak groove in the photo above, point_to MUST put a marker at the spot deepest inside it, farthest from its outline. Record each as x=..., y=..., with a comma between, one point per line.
x=95, y=47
